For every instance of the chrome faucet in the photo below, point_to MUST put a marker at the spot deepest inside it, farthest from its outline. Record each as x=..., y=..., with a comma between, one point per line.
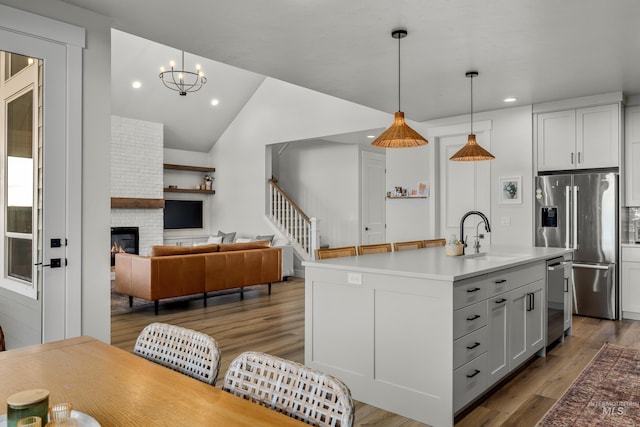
x=487, y=227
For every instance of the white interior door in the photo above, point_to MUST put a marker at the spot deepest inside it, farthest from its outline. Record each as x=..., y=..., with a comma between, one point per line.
x=33, y=307
x=464, y=186
x=373, y=198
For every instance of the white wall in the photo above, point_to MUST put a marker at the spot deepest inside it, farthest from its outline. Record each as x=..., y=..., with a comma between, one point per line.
x=96, y=301
x=511, y=144
x=277, y=112
x=323, y=179
x=409, y=219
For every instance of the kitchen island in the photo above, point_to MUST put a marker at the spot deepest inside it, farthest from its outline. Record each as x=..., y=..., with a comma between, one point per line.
x=422, y=334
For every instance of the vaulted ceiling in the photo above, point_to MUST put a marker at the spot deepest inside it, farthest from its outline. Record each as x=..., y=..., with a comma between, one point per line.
x=534, y=51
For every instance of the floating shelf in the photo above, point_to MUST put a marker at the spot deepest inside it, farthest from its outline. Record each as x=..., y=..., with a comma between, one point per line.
x=188, y=190
x=189, y=168
x=407, y=197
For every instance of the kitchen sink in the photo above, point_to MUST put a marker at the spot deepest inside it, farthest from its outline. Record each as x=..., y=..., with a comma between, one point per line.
x=488, y=256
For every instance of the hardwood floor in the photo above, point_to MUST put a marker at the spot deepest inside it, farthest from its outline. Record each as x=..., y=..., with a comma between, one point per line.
x=275, y=324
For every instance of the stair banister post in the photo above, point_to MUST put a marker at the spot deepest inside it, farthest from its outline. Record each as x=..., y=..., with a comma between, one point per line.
x=315, y=238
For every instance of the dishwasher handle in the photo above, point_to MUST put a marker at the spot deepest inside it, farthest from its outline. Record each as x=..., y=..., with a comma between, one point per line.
x=560, y=266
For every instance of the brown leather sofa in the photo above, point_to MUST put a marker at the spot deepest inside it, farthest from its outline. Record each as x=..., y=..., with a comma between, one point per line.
x=173, y=271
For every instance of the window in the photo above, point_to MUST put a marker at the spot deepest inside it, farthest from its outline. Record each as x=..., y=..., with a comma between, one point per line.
x=19, y=87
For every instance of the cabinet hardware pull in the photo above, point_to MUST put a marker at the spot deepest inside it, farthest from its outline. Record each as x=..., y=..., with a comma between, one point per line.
x=533, y=301
x=473, y=290
x=475, y=372
x=571, y=158
x=474, y=317
x=500, y=301
x=472, y=346
x=497, y=282
x=579, y=157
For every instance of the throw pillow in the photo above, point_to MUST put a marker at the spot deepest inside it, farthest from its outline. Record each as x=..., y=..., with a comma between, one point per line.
x=242, y=240
x=203, y=249
x=227, y=237
x=215, y=239
x=267, y=237
x=278, y=241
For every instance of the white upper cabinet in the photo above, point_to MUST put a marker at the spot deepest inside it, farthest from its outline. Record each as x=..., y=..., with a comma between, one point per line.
x=632, y=156
x=582, y=138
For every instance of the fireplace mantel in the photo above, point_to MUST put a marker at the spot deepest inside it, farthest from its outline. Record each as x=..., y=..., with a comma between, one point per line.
x=136, y=203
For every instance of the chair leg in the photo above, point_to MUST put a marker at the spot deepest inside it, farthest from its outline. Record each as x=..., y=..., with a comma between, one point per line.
x=241, y=293
x=156, y=304
x=269, y=288
x=205, y=299
x=130, y=301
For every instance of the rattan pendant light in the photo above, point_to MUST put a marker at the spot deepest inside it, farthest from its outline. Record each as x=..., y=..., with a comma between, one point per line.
x=399, y=134
x=472, y=151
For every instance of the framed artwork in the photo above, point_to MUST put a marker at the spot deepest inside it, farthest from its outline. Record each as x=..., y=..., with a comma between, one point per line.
x=510, y=190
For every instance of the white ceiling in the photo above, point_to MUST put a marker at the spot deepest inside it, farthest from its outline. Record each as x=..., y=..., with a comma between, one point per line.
x=534, y=50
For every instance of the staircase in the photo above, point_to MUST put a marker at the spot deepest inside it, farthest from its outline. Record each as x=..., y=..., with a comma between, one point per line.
x=290, y=220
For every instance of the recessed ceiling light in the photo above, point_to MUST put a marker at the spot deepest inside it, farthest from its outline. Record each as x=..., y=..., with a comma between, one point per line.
x=371, y=136
x=136, y=85
x=214, y=102
x=510, y=99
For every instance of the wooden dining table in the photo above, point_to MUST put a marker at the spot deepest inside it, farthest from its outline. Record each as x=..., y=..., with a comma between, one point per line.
x=118, y=388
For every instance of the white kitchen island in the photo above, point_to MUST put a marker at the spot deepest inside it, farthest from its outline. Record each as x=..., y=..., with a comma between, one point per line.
x=422, y=334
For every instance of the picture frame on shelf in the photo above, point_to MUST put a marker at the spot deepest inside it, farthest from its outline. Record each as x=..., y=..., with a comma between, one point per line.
x=510, y=190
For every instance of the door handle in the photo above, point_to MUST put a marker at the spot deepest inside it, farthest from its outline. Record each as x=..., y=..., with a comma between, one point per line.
x=571, y=158
x=473, y=290
x=472, y=346
x=579, y=157
x=475, y=372
x=497, y=282
x=474, y=317
x=53, y=263
x=366, y=229
x=500, y=301
x=591, y=266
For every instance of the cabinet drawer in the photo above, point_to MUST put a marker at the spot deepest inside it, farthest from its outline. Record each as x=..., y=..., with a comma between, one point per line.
x=631, y=254
x=469, y=291
x=470, y=318
x=499, y=282
x=469, y=347
x=529, y=273
x=469, y=381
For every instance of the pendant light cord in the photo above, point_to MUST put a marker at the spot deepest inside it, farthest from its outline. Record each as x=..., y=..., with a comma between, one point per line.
x=399, y=78
x=472, y=105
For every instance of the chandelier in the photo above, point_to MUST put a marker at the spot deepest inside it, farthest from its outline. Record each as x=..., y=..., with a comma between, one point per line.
x=182, y=81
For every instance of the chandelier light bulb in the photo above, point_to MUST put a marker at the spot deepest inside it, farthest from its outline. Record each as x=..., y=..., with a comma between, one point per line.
x=162, y=69
x=172, y=63
x=198, y=67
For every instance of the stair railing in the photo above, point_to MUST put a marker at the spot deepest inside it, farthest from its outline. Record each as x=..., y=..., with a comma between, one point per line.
x=292, y=221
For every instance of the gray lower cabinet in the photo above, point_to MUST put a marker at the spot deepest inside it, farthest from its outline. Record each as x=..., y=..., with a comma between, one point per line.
x=498, y=324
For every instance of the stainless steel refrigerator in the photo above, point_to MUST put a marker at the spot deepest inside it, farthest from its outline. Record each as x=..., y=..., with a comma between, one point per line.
x=580, y=211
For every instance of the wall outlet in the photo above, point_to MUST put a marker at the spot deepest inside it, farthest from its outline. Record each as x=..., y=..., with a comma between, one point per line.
x=505, y=220
x=354, y=278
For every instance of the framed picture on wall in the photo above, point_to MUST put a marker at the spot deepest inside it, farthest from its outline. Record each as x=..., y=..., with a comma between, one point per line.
x=510, y=190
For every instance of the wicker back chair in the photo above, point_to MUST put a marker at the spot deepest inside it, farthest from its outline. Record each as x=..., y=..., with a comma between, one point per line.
x=434, y=243
x=189, y=352
x=374, y=249
x=407, y=246
x=326, y=253
x=291, y=388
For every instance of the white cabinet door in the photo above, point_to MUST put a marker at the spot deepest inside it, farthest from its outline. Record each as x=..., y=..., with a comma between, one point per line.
x=632, y=156
x=556, y=137
x=631, y=287
x=536, y=317
x=597, y=136
x=498, y=350
x=526, y=334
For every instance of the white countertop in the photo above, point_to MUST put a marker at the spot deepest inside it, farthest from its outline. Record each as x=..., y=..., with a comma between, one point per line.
x=433, y=263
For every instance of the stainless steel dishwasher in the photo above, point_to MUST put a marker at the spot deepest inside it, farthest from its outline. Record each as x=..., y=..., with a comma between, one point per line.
x=558, y=280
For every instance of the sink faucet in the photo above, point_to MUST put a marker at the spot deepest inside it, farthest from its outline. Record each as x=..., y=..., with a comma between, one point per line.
x=487, y=227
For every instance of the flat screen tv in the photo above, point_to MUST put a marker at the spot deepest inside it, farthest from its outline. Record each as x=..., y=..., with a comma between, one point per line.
x=182, y=214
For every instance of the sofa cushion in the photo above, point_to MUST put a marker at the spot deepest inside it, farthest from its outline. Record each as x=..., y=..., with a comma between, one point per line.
x=163, y=250
x=244, y=246
x=227, y=237
x=215, y=239
x=268, y=237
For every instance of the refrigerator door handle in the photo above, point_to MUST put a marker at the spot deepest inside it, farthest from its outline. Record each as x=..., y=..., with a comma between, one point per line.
x=575, y=217
x=567, y=199
x=591, y=266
